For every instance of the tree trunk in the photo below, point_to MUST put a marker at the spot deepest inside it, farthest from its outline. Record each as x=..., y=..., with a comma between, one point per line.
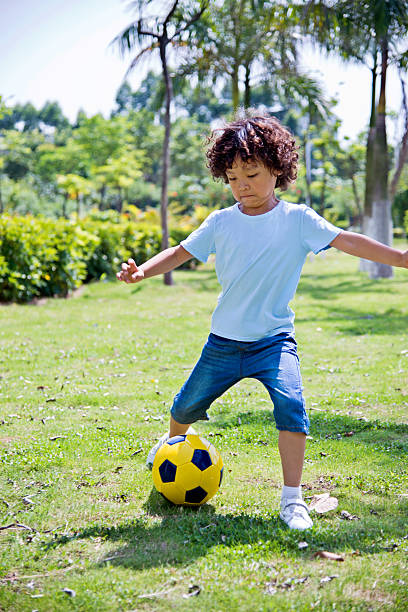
x=235, y=88
x=120, y=200
x=323, y=195
x=102, y=192
x=64, y=206
x=247, y=93
x=403, y=148
x=168, y=278
x=308, y=165
x=377, y=213
x=358, y=202
x=369, y=170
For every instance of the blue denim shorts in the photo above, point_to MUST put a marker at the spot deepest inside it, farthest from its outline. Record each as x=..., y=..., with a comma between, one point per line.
x=223, y=362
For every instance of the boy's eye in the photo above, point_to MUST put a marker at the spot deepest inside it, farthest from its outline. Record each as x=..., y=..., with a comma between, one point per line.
x=251, y=175
x=230, y=179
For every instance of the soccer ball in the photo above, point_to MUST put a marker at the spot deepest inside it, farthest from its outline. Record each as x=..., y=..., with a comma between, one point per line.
x=187, y=470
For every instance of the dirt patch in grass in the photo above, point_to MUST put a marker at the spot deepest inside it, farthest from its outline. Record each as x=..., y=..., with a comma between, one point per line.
x=8, y=439
x=370, y=596
x=254, y=480
x=323, y=483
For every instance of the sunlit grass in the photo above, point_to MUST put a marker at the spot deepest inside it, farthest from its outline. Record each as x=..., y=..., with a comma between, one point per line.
x=86, y=386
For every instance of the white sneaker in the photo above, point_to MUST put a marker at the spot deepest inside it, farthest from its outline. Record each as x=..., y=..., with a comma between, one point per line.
x=162, y=440
x=295, y=514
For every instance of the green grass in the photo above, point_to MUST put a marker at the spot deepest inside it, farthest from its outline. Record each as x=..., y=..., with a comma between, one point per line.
x=99, y=372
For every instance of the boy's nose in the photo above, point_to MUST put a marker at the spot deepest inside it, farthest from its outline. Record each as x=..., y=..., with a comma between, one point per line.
x=243, y=185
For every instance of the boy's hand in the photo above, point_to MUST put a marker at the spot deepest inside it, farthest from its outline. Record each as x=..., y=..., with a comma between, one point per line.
x=130, y=273
x=405, y=259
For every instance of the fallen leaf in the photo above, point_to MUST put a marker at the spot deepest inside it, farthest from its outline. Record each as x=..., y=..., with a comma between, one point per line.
x=139, y=450
x=193, y=590
x=323, y=503
x=302, y=545
x=324, y=554
x=328, y=578
x=348, y=434
x=69, y=592
x=348, y=517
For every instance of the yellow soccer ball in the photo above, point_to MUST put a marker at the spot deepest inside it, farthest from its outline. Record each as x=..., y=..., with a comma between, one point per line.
x=187, y=470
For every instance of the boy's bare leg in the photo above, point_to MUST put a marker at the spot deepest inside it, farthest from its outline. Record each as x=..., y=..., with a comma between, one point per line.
x=177, y=429
x=292, y=451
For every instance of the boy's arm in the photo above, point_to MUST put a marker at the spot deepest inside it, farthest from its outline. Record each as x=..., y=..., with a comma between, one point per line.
x=159, y=264
x=367, y=248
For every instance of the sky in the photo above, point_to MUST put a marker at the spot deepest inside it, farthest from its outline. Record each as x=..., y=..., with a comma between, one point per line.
x=59, y=51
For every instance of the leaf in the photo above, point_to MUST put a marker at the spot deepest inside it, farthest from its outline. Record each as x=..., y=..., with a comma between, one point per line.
x=58, y=437
x=69, y=592
x=193, y=590
x=348, y=517
x=323, y=503
x=327, y=579
x=302, y=545
x=324, y=554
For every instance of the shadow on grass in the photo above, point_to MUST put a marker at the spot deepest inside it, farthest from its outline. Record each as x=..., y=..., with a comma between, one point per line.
x=321, y=286
x=391, y=438
x=358, y=321
x=185, y=534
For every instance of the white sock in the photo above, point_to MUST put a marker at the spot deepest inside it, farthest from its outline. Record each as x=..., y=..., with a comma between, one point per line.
x=291, y=492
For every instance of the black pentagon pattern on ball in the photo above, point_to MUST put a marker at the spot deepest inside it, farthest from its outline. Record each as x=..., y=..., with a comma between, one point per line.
x=167, y=471
x=195, y=496
x=175, y=440
x=201, y=459
x=221, y=473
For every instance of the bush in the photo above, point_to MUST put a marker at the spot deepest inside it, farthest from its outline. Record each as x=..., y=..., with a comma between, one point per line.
x=46, y=257
x=41, y=257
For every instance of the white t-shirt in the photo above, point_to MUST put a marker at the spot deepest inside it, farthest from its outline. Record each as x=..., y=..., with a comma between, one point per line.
x=258, y=263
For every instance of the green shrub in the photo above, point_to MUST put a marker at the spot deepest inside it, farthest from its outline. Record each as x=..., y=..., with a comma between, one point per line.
x=47, y=257
x=41, y=257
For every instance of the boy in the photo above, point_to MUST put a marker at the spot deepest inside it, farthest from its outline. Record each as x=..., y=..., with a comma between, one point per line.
x=260, y=244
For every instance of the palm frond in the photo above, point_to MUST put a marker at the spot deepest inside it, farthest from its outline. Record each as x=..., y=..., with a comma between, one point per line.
x=139, y=56
x=127, y=39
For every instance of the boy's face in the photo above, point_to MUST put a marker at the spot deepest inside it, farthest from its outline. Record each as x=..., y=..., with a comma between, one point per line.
x=253, y=186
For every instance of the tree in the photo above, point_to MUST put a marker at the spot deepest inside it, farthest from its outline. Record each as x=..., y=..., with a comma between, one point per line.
x=248, y=42
x=158, y=34
x=359, y=31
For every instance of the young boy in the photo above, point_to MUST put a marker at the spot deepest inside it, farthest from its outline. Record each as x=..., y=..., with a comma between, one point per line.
x=260, y=244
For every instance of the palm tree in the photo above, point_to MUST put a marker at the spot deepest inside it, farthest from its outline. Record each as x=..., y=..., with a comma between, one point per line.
x=247, y=37
x=359, y=30
x=155, y=33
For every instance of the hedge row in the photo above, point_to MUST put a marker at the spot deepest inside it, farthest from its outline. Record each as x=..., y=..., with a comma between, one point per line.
x=46, y=257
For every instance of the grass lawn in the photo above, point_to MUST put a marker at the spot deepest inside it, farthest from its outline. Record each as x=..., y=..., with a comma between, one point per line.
x=85, y=389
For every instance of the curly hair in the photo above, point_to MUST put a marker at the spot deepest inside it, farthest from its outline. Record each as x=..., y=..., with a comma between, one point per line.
x=261, y=138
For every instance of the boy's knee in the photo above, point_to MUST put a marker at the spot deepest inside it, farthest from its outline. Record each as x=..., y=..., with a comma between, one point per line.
x=186, y=413
x=290, y=415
